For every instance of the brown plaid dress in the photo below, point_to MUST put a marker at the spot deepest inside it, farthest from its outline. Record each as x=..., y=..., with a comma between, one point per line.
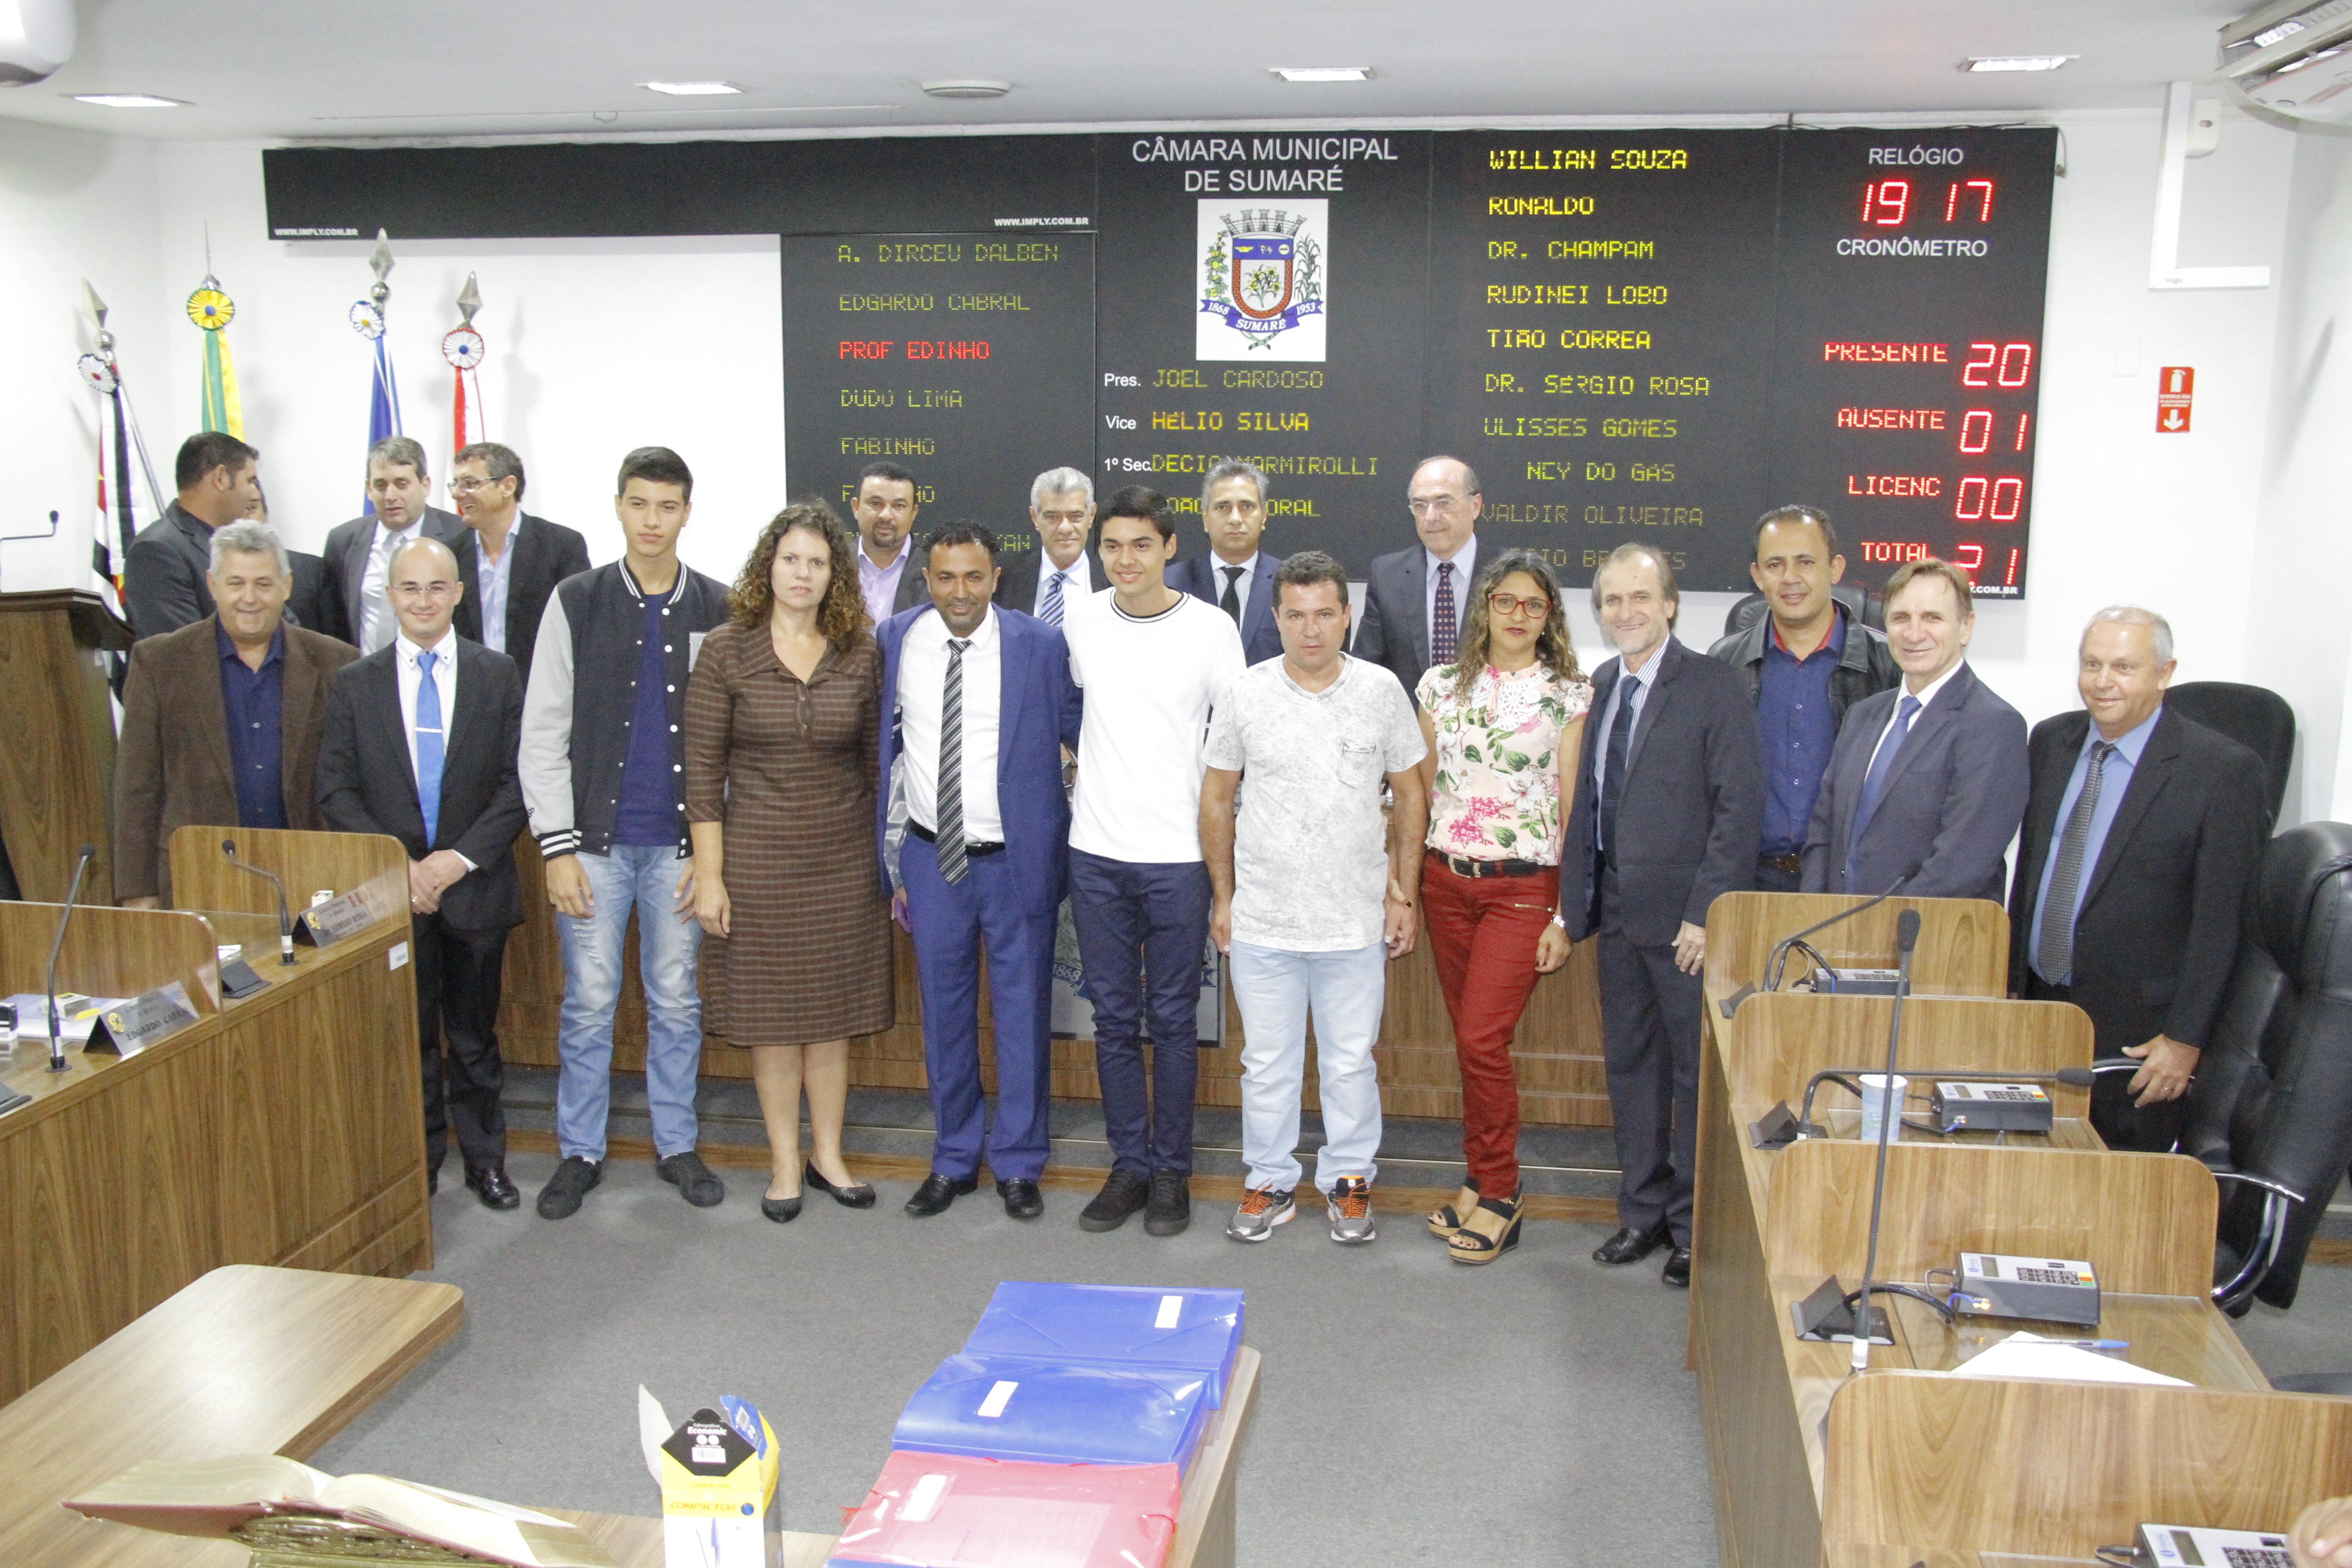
x=790, y=769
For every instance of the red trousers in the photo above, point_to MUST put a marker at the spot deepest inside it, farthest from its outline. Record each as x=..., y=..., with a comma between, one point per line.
x=1482, y=932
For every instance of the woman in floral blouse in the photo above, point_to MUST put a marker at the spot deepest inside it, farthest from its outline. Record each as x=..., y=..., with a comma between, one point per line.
x=1502, y=723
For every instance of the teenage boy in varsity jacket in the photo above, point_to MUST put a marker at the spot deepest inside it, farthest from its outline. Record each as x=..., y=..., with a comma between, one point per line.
x=601, y=760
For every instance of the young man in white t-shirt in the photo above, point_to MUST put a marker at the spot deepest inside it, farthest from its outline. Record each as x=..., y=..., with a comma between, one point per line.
x=1152, y=662
x=1314, y=891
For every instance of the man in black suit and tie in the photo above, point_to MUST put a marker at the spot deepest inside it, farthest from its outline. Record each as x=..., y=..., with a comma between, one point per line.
x=354, y=605
x=514, y=561
x=163, y=587
x=1236, y=575
x=2144, y=830
x=1046, y=581
x=1416, y=601
x=1669, y=807
x=1931, y=772
x=420, y=745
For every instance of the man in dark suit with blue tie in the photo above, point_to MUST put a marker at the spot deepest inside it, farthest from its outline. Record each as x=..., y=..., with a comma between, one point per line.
x=1932, y=772
x=1236, y=575
x=1668, y=811
x=420, y=745
x=983, y=704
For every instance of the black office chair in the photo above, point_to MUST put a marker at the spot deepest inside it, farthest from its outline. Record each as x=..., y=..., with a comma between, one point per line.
x=2271, y=1110
x=1858, y=601
x=2255, y=717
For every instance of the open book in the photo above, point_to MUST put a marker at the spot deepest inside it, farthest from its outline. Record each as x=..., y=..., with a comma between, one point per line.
x=227, y=1498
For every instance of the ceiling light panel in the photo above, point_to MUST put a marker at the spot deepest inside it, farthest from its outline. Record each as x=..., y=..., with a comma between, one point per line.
x=1324, y=73
x=129, y=101
x=2015, y=62
x=967, y=88
x=691, y=88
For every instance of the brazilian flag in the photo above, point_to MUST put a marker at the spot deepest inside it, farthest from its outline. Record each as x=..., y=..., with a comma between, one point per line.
x=212, y=309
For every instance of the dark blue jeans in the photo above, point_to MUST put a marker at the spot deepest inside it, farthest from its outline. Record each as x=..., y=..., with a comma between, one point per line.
x=1142, y=929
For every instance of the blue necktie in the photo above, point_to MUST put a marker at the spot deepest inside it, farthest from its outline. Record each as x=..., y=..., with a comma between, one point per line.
x=1873, y=782
x=428, y=747
x=1613, y=760
x=1052, y=614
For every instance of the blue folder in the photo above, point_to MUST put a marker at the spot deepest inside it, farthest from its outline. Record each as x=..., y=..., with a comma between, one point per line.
x=1011, y=1407
x=1115, y=1325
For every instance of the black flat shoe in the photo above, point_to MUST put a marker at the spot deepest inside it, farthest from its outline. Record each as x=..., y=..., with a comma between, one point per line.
x=1630, y=1246
x=938, y=1192
x=783, y=1211
x=1021, y=1198
x=491, y=1184
x=1677, y=1271
x=860, y=1197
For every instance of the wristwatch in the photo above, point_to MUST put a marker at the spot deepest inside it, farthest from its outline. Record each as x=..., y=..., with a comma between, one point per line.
x=1559, y=919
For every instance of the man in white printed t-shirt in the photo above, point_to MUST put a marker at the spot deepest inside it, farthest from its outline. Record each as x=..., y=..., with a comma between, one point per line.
x=1315, y=891
x=1152, y=662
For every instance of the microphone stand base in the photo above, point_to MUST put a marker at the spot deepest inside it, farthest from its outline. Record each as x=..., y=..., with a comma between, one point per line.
x=1825, y=1317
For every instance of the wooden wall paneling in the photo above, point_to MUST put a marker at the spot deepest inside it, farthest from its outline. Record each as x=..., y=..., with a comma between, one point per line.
x=1963, y=943
x=1781, y=1041
x=2145, y=1222
x=57, y=772
x=2059, y=1468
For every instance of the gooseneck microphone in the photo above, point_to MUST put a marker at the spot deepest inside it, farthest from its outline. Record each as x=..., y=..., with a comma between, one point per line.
x=284, y=920
x=1906, y=937
x=57, y=1020
x=1776, y=963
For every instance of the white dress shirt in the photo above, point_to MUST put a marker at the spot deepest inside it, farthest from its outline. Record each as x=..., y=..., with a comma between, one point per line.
x=1076, y=585
x=1465, y=567
x=922, y=689
x=445, y=682
x=378, y=625
x=491, y=577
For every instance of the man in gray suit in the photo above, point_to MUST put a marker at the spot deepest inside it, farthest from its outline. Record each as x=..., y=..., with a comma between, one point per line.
x=1048, y=580
x=1669, y=806
x=354, y=605
x=1234, y=574
x=163, y=587
x=1932, y=771
x=1416, y=601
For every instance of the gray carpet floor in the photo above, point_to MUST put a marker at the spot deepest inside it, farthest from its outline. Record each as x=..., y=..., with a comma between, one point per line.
x=1411, y=1411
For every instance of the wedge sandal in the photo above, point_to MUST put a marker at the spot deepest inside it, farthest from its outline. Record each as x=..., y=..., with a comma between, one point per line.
x=1489, y=1230
x=1446, y=1217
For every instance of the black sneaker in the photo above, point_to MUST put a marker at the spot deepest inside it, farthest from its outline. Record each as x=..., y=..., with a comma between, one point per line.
x=690, y=1175
x=560, y=1199
x=1121, y=1195
x=1170, y=1208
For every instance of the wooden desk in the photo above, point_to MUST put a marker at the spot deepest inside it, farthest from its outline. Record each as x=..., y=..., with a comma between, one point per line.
x=1205, y=1521
x=57, y=772
x=1963, y=947
x=286, y=1129
x=244, y=1361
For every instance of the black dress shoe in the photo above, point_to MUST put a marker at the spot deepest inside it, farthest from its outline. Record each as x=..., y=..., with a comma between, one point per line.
x=856, y=1195
x=938, y=1192
x=1021, y=1198
x=492, y=1186
x=1677, y=1272
x=783, y=1211
x=1630, y=1246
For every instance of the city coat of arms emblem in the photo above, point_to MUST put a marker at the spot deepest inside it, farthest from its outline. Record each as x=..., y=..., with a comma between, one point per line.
x=1264, y=281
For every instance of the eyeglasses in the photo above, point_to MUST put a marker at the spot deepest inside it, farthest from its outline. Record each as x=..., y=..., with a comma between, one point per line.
x=467, y=486
x=434, y=590
x=1425, y=507
x=1536, y=606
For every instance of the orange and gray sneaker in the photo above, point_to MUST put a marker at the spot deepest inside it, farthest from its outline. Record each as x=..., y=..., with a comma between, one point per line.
x=1261, y=1208
x=1349, y=1206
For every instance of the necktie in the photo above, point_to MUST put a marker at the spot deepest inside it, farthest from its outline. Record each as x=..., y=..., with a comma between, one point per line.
x=1443, y=631
x=1612, y=772
x=952, y=863
x=2056, y=956
x=1052, y=614
x=1873, y=782
x=1232, y=601
x=428, y=747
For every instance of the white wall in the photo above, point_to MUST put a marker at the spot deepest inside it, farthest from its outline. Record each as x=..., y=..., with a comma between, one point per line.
x=71, y=207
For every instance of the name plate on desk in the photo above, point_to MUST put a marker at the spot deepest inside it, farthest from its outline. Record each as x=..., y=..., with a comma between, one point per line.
x=130, y=1028
x=346, y=915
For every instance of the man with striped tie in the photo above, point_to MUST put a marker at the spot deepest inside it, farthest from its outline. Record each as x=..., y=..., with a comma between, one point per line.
x=420, y=745
x=1417, y=600
x=983, y=704
x=1045, y=581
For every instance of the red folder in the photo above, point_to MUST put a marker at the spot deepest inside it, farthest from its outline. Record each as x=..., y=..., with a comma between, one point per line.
x=951, y=1510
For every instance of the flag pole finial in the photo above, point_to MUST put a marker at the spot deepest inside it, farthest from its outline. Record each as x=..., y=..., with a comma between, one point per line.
x=97, y=309
x=469, y=299
x=379, y=260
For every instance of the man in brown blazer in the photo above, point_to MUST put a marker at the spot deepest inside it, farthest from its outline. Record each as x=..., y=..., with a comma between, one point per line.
x=221, y=718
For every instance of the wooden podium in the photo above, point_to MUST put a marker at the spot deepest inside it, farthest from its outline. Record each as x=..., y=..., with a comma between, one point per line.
x=57, y=768
x=284, y=1128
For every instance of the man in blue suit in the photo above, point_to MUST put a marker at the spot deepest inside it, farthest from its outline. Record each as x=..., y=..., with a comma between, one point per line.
x=983, y=705
x=1236, y=575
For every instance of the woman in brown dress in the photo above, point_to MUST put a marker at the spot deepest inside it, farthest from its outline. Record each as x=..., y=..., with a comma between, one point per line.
x=783, y=718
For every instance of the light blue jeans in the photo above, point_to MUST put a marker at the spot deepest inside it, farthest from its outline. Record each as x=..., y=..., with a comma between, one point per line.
x=1276, y=989
x=644, y=877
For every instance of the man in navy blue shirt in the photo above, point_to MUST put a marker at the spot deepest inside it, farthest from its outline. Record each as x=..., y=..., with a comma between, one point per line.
x=1808, y=659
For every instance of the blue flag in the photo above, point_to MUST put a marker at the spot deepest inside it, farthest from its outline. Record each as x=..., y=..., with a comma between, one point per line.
x=383, y=411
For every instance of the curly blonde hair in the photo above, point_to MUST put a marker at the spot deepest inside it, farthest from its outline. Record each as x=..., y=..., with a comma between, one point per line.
x=1553, y=650
x=841, y=613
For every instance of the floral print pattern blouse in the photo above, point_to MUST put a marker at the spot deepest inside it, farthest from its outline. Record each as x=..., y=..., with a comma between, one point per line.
x=1498, y=794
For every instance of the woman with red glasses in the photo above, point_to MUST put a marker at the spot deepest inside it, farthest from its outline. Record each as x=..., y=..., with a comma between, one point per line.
x=1502, y=723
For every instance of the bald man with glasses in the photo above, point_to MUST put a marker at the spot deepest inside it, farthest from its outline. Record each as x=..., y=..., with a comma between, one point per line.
x=1416, y=601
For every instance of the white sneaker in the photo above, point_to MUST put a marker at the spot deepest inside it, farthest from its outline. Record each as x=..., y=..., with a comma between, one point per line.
x=1261, y=1208
x=1349, y=1206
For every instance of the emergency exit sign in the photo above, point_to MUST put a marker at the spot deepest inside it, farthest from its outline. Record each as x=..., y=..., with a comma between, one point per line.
x=2176, y=390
